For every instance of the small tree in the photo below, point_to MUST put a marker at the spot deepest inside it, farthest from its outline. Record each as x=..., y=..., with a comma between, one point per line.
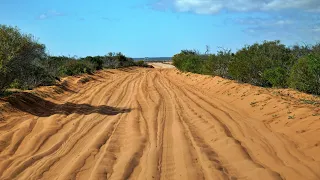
x=17, y=52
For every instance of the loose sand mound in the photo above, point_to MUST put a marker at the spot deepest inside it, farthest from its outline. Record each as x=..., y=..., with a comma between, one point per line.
x=167, y=65
x=140, y=123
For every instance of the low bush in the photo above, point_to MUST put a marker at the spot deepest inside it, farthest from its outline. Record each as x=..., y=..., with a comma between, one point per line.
x=276, y=76
x=24, y=63
x=96, y=61
x=191, y=61
x=75, y=67
x=219, y=64
x=305, y=74
x=259, y=63
x=141, y=64
x=267, y=64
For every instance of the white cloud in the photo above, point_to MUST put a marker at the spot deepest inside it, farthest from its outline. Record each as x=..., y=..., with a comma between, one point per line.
x=50, y=13
x=43, y=16
x=316, y=29
x=215, y=6
x=271, y=21
x=283, y=22
x=55, y=13
x=289, y=28
x=198, y=6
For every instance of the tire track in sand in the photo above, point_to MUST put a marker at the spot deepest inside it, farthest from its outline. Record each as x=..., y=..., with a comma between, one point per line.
x=173, y=130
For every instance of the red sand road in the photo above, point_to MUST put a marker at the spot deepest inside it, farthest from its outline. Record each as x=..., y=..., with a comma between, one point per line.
x=141, y=123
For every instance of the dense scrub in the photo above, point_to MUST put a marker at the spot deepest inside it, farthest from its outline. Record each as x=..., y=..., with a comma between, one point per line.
x=267, y=64
x=24, y=63
x=305, y=74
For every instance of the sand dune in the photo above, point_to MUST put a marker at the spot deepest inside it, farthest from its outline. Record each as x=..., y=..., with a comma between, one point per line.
x=140, y=123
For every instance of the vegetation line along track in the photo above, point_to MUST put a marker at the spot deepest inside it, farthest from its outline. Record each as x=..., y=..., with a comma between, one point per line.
x=140, y=123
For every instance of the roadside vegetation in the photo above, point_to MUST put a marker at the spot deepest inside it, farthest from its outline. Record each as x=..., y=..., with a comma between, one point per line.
x=24, y=63
x=267, y=64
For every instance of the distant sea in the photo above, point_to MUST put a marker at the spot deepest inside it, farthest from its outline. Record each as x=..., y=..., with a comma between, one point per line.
x=153, y=59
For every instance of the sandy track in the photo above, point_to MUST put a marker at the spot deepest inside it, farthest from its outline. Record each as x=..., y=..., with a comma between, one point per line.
x=167, y=65
x=157, y=124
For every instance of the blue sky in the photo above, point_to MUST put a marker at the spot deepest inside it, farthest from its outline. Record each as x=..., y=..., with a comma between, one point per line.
x=149, y=28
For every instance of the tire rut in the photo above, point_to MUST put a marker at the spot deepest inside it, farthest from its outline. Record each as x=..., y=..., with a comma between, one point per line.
x=172, y=129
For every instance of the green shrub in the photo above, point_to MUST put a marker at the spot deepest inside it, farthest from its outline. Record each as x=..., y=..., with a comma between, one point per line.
x=24, y=63
x=219, y=64
x=268, y=64
x=75, y=67
x=316, y=49
x=97, y=61
x=141, y=63
x=15, y=84
x=123, y=61
x=18, y=52
x=305, y=74
x=300, y=51
x=277, y=77
x=34, y=76
x=191, y=61
x=252, y=63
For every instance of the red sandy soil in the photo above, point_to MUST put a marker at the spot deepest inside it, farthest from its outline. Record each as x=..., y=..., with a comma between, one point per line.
x=141, y=123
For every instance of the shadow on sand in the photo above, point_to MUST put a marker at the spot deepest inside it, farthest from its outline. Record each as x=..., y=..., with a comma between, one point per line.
x=37, y=106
